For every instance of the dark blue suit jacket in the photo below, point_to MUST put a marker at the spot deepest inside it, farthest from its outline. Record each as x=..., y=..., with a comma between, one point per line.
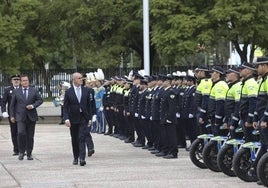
x=71, y=106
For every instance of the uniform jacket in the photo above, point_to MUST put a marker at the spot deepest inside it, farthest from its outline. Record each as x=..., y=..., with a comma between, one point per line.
x=7, y=98
x=188, y=103
x=19, y=103
x=168, y=107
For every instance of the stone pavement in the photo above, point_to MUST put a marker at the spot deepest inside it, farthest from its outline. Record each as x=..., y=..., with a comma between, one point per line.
x=115, y=164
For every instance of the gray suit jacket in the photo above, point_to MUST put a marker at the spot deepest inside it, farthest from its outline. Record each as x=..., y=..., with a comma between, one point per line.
x=19, y=103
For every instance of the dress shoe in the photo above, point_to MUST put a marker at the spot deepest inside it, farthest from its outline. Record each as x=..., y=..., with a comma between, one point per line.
x=171, y=156
x=155, y=151
x=128, y=140
x=83, y=163
x=187, y=149
x=107, y=133
x=90, y=152
x=15, y=153
x=29, y=157
x=145, y=147
x=138, y=145
x=161, y=154
x=21, y=156
x=151, y=148
x=75, y=162
x=259, y=182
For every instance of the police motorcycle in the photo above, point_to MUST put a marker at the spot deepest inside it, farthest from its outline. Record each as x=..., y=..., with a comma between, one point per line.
x=262, y=169
x=212, y=148
x=244, y=158
x=228, y=150
x=197, y=147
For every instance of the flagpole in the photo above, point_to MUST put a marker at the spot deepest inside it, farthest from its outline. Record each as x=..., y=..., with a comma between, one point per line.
x=146, y=38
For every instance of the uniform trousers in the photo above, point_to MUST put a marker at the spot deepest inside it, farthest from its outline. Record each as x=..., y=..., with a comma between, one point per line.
x=14, y=135
x=169, y=138
x=264, y=145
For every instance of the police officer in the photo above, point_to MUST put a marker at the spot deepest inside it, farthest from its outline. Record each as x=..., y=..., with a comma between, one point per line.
x=202, y=94
x=126, y=113
x=157, y=94
x=133, y=106
x=106, y=105
x=261, y=110
x=248, y=99
x=231, y=107
x=168, y=121
x=215, y=111
x=188, y=112
x=15, y=80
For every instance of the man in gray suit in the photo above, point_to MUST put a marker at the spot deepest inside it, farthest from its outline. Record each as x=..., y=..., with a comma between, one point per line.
x=23, y=106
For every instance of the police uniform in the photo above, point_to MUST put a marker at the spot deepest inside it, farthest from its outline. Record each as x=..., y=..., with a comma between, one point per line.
x=188, y=112
x=13, y=126
x=128, y=133
x=231, y=106
x=261, y=112
x=106, y=108
x=215, y=111
x=201, y=98
x=248, y=101
x=168, y=124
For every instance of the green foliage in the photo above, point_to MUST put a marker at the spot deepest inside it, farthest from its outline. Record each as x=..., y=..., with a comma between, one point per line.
x=93, y=33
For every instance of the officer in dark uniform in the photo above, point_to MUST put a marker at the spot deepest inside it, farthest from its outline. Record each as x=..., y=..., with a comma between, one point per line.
x=15, y=80
x=126, y=113
x=133, y=109
x=179, y=91
x=106, y=105
x=143, y=122
x=148, y=113
x=157, y=94
x=188, y=112
x=261, y=110
x=168, y=121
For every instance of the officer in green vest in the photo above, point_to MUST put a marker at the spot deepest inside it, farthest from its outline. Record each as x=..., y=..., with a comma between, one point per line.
x=248, y=99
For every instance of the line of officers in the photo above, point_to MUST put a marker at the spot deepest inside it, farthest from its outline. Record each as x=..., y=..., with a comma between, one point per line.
x=165, y=109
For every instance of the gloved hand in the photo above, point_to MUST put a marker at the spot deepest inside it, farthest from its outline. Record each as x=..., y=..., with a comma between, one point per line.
x=142, y=117
x=94, y=118
x=168, y=121
x=136, y=115
x=178, y=115
x=5, y=115
x=89, y=123
x=191, y=116
x=151, y=118
x=101, y=109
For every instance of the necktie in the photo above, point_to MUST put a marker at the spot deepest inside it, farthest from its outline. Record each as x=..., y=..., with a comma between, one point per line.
x=78, y=93
x=25, y=93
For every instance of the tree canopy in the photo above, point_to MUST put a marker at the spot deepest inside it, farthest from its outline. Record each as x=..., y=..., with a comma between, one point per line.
x=104, y=33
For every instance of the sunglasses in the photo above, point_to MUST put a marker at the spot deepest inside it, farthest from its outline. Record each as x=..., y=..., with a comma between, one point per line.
x=16, y=79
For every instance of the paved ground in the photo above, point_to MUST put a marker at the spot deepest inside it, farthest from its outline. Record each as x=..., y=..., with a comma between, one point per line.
x=115, y=164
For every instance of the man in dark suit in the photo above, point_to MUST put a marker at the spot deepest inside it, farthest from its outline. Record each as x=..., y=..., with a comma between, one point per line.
x=15, y=80
x=23, y=106
x=77, y=113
